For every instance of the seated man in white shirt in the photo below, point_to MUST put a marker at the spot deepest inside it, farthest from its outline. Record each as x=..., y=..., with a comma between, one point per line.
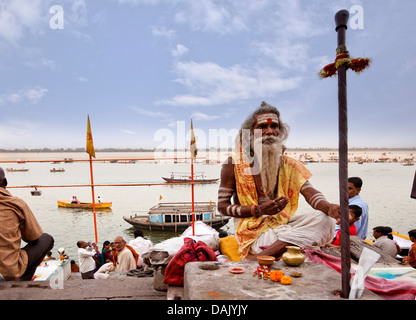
x=140, y=245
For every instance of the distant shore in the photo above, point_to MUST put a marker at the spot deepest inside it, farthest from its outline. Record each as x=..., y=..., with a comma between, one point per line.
x=356, y=155
x=302, y=154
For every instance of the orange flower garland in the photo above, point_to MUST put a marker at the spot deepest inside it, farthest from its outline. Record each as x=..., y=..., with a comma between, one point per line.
x=343, y=58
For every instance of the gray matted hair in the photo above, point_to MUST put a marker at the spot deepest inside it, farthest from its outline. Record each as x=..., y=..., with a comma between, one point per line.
x=248, y=124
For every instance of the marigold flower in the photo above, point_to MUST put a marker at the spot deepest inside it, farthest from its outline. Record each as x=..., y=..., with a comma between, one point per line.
x=286, y=280
x=276, y=275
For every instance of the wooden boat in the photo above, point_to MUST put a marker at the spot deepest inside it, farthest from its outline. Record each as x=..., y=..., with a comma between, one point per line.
x=57, y=170
x=83, y=205
x=16, y=170
x=177, y=216
x=177, y=177
x=403, y=241
x=408, y=162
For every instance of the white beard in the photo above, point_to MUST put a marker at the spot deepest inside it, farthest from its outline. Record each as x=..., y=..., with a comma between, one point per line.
x=271, y=149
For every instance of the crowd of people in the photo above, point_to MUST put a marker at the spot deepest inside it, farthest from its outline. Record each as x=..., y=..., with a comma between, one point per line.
x=117, y=255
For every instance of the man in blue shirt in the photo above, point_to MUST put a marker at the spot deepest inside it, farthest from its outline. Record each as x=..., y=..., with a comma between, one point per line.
x=354, y=188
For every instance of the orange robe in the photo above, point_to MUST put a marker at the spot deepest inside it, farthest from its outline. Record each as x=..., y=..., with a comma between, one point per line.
x=292, y=175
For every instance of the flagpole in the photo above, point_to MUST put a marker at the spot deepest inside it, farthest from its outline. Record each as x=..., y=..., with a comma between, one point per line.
x=93, y=202
x=193, y=155
x=193, y=203
x=90, y=150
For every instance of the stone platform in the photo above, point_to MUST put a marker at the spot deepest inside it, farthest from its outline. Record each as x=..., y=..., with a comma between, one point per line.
x=117, y=287
x=213, y=281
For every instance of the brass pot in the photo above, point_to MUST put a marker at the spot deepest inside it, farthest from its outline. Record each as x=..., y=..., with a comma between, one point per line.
x=293, y=256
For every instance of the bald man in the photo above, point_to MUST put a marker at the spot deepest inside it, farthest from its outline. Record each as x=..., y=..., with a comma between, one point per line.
x=18, y=223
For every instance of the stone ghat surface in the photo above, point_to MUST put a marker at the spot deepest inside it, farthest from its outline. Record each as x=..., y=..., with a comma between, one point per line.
x=210, y=281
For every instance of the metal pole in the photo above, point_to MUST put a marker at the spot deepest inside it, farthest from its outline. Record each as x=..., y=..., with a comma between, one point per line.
x=341, y=20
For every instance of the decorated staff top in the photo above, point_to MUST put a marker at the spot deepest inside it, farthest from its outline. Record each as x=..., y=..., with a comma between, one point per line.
x=343, y=57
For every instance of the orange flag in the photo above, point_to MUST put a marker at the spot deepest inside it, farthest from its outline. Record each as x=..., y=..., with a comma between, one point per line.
x=90, y=145
x=194, y=151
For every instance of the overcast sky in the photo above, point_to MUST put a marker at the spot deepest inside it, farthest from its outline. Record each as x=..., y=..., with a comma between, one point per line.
x=141, y=69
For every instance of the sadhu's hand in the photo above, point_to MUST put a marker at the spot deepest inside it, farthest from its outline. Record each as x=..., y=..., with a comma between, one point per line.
x=271, y=207
x=334, y=211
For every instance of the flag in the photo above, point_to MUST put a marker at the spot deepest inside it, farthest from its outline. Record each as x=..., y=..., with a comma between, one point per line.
x=90, y=145
x=194, y=151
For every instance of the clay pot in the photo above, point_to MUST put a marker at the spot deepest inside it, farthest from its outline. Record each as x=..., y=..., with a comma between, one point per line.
x=265, y=260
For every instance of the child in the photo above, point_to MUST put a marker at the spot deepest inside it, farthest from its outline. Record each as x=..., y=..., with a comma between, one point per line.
x=411, y=258
x=384, y=241
x=355, y=213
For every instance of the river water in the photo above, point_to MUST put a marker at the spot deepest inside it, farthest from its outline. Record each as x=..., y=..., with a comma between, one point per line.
x=386, y=189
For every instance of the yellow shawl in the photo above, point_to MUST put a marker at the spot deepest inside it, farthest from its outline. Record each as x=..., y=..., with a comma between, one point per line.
x=292, y=175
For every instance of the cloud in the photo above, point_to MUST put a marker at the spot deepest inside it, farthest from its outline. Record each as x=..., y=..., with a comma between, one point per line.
x=18, y=132
x=179, y=51
x=149, y=113
x=17, y=17
x=32, y=95
x=203, y=116
x=206, y=15
x=291, y=55
x=298, y=19
x=128, y=131
x=137, y=2
x=163, y=32
x=211, y=84
x=40, y=63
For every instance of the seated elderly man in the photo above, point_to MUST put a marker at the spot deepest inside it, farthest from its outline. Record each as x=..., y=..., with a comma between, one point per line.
x=125, y=259
x=17, y=223
x=265, y=185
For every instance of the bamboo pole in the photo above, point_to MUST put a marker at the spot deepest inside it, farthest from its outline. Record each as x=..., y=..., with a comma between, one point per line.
x=93, y=202
x=193, y=204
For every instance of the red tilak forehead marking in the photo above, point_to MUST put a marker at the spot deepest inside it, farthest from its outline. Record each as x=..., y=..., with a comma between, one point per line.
x=267, y=118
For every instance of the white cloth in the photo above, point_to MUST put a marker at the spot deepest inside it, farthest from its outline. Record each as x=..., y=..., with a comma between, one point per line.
x=367, y=259
x=141, y=245
x=86, y=260
x=305, y=230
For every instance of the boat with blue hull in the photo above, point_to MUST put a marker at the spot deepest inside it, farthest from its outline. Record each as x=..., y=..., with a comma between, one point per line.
x=177, y=216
